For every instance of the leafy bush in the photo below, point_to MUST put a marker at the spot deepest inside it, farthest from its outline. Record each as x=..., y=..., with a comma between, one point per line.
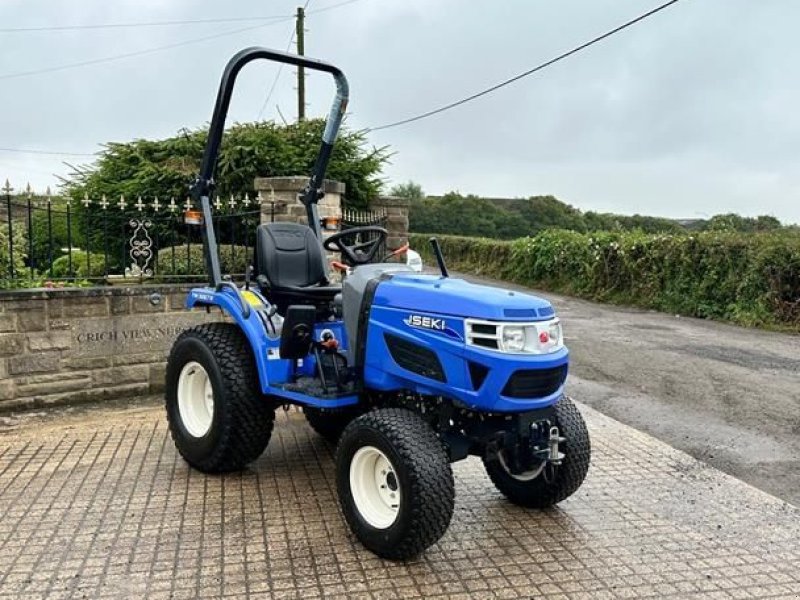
x=746, y=279
x=15, y=264
x=84, y=265
x=184, y=261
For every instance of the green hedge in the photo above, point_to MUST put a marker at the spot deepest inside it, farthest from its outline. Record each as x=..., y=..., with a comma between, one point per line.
x=749, y=279
x=84, y=265
x=233, y=260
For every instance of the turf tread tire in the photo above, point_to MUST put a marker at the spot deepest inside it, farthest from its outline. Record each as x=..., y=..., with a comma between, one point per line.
x=425, y=475
x=243, y=419
x=539, y=493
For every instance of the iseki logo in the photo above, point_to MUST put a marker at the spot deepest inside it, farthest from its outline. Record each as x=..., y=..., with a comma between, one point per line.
x=425, y=322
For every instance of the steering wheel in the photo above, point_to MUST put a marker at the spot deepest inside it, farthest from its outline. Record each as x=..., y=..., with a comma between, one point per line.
x=355, y=252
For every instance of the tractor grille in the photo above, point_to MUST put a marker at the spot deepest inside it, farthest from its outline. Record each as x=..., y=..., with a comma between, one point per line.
x=482, y=334
x=535, y=383
x=414, y=357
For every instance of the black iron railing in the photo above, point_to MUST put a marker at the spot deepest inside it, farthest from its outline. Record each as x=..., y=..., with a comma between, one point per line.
x=45, y=240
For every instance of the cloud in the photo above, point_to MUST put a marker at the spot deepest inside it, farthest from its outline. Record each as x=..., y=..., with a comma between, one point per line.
x=691, y=112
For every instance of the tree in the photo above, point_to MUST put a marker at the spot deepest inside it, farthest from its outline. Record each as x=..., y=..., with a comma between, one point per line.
x=409, y=190
x=734, y=222
x=166, y=168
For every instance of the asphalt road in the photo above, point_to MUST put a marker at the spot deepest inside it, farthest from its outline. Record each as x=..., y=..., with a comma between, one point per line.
x=727, y=395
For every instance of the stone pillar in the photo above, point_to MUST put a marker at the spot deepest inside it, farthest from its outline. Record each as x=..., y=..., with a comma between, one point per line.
x=396, y=218
x=280, y=199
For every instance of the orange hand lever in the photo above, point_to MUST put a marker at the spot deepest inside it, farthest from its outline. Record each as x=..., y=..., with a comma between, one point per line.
x=401, y=250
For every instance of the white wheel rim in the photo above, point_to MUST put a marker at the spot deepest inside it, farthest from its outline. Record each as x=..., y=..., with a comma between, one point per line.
x=375, y=487
x=525, y=475
x=195, y=399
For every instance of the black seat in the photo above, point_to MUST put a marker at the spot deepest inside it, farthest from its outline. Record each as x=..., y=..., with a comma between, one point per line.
x=290, y=267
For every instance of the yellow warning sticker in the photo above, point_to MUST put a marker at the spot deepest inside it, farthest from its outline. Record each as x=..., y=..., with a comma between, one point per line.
x=252, y=299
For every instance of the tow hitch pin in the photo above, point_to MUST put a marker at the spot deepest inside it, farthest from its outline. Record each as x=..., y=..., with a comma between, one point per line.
x=554, y=440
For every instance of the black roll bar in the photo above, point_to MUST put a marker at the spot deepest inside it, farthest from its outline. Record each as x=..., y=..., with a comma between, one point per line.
x=204, y=184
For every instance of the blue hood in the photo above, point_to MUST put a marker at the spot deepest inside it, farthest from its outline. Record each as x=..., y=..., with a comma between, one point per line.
x=449, y=296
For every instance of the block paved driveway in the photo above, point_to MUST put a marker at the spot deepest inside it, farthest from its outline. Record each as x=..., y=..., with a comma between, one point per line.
x=98, y=504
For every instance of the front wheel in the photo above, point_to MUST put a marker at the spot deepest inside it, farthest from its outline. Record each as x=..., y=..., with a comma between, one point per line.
x=395, y=483
x=548, y=484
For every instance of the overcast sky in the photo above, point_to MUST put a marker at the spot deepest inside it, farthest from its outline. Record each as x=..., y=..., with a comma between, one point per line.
x=694, y=112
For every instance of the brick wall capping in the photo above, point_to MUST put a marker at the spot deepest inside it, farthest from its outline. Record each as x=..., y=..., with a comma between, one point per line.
x=296, y=182
x=390, y=201
x=96, y=291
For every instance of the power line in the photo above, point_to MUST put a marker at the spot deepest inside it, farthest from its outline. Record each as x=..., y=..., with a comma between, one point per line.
x=330, y=7
x=536, y=69
x=145, y=51
x=140, y=24
x=158, y=49
x=275, y=79
x=45, y=152
x=142, y=52
x=136, y=24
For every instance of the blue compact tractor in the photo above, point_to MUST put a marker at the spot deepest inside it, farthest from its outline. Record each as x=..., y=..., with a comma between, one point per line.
x=404, y=372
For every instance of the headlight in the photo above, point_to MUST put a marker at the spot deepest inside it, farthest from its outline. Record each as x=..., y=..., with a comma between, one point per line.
x=513, y=338
x=555, y=332
x=540, y=337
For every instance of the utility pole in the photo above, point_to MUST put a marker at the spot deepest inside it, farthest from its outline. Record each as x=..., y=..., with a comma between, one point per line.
x=301, y=74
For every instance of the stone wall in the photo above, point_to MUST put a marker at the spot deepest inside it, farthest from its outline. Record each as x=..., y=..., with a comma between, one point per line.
x=280, y=201
x=83, y=344
x=396, y=218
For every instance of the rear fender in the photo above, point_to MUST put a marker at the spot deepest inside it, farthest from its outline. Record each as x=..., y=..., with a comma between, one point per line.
x=251, y=324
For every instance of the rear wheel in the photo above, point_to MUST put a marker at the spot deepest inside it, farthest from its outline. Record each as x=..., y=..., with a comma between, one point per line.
x=329, y=422
x=217, y=416
x=395, y=483
x=548, y=484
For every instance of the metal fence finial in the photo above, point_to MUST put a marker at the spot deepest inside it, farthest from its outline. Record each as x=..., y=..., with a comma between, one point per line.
x=86, y=202
x=172, y=206
x=104, y=202
x=28, y=190
x=156, y=204
x=122, y=205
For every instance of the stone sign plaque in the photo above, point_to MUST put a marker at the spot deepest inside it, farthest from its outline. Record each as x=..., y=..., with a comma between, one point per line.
x=131, y=334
